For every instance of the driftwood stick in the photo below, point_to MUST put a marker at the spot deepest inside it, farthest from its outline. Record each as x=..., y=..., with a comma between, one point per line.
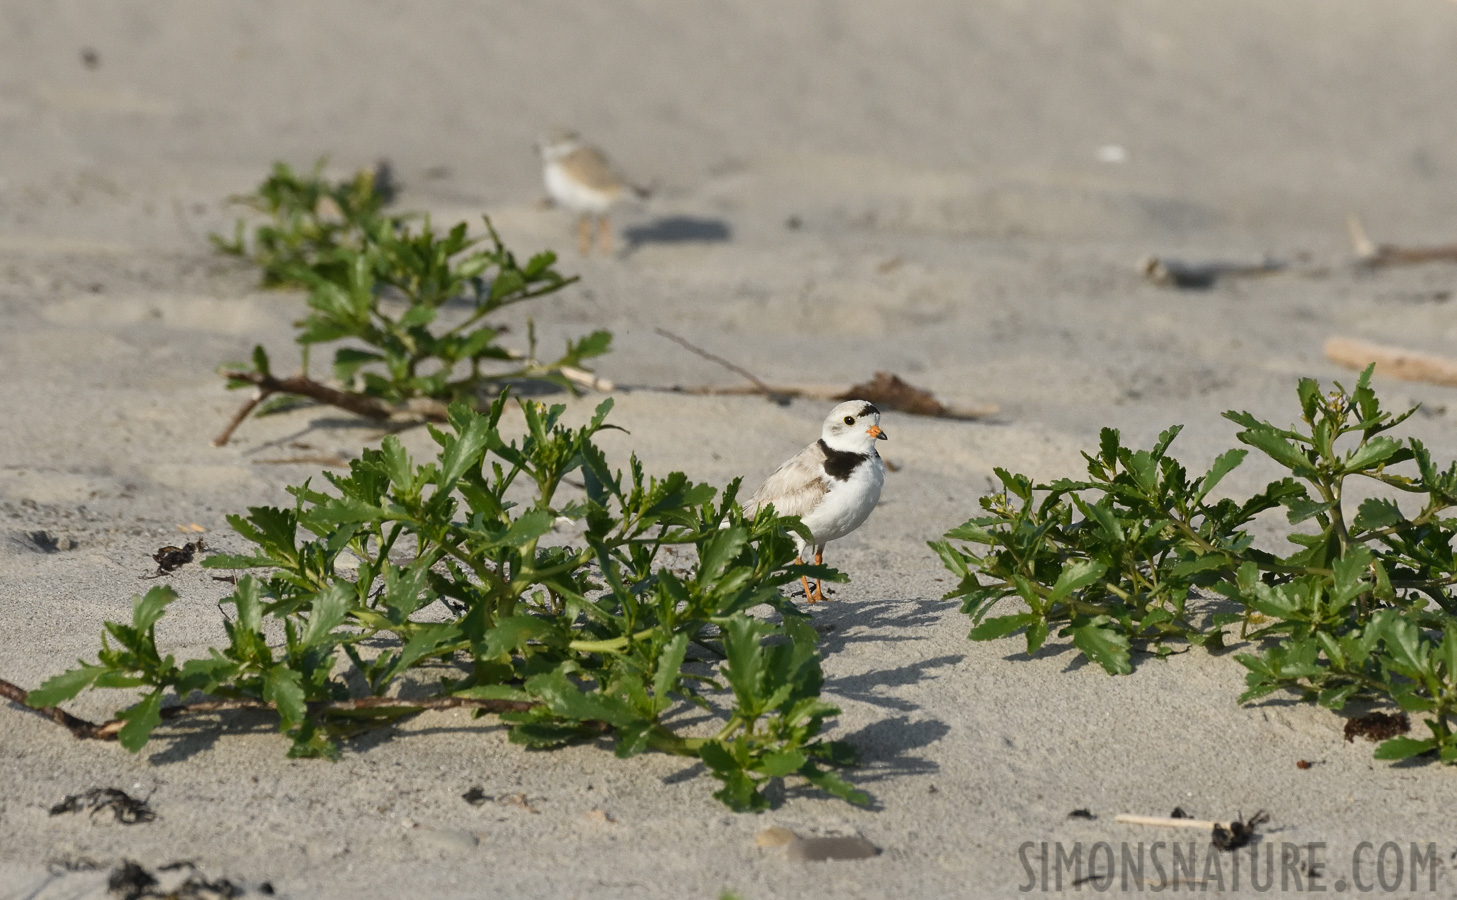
x=267, y=385
x=885, y=389
x=368, y=407
x=243, y=412
x=1186, y=274
x=759, y=386
x=1392, y=362
x=1369, y=253
x=77, y=726
x=1166, y=822
x=107, y=731
x=305, y=386
x=811, y=392
x=822, y=392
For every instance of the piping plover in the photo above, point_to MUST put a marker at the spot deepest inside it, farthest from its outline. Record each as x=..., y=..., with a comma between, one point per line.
x=833, y=484
x=580, y=178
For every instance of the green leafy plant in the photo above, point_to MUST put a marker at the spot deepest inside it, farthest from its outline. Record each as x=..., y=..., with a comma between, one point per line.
x=307, y=221
x=616, y=611
x=405, y=306
x=1139, y=556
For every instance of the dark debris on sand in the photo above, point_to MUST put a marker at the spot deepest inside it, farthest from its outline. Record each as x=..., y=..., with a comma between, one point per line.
x=126, y=809
x=1377, y=726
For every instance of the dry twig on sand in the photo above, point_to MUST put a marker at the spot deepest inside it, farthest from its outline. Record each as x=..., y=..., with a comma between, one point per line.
x=1369, y=253
x=885, y=390
x=1224, y=835
x=1393, y=362
x=1193, y=275
x=419, y=409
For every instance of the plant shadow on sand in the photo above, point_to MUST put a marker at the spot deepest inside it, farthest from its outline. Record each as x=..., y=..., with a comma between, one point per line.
x=885, y=746
x=182, y=739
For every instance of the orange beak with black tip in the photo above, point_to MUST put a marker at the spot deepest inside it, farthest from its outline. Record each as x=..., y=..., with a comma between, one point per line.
x=875, y=432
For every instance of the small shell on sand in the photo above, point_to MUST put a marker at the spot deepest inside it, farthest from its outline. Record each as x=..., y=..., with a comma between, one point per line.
x=816, y=849
x=775, y=837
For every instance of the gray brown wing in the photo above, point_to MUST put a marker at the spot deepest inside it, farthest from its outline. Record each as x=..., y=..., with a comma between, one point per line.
x=796, y=487
x=589, y=166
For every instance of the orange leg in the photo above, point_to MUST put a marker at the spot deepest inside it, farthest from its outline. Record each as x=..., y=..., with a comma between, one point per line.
x=804, y=580
x=604, y=235
x=584, y=235
x=819, y=593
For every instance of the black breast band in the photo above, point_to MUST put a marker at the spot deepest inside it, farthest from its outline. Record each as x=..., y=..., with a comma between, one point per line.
x=840, y=463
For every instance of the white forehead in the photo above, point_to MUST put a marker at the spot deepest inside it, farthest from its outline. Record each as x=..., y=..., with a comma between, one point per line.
x=856, y=409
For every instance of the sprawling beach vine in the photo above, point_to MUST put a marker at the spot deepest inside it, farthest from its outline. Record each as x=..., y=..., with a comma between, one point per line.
x=1139, y=557
x=614, y=608
x=406, y=307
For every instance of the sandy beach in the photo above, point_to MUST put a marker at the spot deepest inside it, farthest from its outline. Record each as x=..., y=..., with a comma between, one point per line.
x=959, y=193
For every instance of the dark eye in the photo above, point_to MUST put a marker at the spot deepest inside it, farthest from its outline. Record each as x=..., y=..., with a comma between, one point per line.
x=849, y=420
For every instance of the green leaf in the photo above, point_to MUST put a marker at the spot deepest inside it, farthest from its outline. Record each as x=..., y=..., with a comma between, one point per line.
x=1302, y=509
x=528, y=527
x=1104, y=646
x=1404, y=748
x=563, y=698
x=1001, y=626
x=780, y=763
x=236, y=561
x=417, y=315
x=492, y=692
x=719, y=551
x=717, y=757
x=397, y=464
x=1223, y=465
x=150, y=607
x=740, y=792
x=283, y=687
x=1268, y=441
x=140, y=720
x=543, y=735
x=329, y=609
x=832, y=784
x=670, y=664
x=343, y=511
x=595, y=344
x=513, y=632
x=1375, y=512
x=1109, y=443
x=1404, y=642
x=273, y=529
x=1076, y=576
x=1308, y=390
x=60, y=688
x=1036, y=636
x=1374, y=452
x=464, y=451
x=744, y=659
x=1447, y=652
x=632, y=740
x=348, y=360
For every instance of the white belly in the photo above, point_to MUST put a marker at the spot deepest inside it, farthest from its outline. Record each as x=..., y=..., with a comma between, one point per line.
x=848, y=503
x=575, y=196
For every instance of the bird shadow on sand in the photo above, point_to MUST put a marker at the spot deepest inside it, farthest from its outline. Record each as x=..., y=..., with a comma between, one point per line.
x=841, y=624
x=676, y=230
